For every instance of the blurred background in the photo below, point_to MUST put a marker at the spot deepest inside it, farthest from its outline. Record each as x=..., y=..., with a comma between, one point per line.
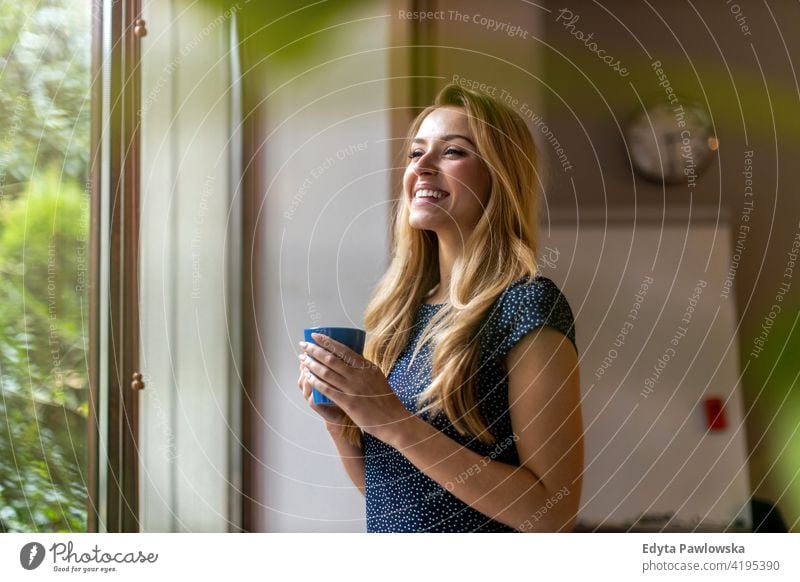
x=186, y=185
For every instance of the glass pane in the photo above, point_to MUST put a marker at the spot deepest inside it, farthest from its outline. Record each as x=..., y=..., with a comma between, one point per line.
x=44, y=238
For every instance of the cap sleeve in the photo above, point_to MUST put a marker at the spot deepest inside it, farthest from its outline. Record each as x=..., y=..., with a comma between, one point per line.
x=525, y=306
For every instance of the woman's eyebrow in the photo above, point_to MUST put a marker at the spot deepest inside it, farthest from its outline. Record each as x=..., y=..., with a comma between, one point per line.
x=448, y=137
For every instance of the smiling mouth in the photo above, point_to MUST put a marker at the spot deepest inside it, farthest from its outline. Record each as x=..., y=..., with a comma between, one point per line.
x=431, y=195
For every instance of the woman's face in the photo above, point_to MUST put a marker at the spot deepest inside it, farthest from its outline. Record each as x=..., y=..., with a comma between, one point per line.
x=444, y=163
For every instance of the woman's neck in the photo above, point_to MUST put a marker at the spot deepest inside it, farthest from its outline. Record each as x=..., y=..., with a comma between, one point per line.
x=448, y=253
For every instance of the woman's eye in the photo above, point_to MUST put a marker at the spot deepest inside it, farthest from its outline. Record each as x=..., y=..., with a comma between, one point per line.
x=454, y=151
x=448, y=152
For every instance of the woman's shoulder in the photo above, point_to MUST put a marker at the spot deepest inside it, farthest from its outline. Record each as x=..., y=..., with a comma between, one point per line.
x=531, y=292
x=535, y=282
x=528, y=303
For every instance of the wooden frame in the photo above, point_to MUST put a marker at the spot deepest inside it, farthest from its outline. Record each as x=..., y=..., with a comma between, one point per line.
x=252, y=183
x=121, y=359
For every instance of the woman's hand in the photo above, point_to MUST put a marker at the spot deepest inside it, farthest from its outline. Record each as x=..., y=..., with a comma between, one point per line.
x=333, y=415
x=356, y=385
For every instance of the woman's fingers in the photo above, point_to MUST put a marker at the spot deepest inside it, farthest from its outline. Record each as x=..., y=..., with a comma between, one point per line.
x=323, y=369
x=336, y=357
x=303, y=384
x=331, y=414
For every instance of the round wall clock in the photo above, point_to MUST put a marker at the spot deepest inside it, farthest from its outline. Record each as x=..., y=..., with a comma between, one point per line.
x=671, y=143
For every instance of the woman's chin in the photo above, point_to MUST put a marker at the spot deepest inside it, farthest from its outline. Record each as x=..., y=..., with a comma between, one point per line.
x=422, y=222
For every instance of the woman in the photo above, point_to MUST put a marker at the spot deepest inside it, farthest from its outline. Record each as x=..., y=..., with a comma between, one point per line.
x=464, y=412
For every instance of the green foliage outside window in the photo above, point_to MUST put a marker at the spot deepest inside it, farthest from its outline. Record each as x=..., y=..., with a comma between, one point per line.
x=44, y=211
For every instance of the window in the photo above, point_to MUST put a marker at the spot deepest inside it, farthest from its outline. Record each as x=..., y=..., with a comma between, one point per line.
x=45, y=49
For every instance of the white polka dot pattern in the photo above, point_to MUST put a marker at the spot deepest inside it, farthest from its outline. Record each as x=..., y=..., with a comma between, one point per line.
x=400, y=497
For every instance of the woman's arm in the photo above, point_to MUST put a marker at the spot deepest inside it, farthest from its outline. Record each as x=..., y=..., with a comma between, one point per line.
x=544, y=397
x=352, y=457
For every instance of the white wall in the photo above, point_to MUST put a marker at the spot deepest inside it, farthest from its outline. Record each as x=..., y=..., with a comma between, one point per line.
x=325, y=247
x=648, y=451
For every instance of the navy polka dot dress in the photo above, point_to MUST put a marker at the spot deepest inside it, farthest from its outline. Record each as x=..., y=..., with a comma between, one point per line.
x=400, y=497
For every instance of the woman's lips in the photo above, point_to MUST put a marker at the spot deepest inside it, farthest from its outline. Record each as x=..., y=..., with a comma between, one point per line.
x=418, y=201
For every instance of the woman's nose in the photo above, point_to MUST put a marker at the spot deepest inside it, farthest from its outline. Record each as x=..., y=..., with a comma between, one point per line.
x=426, y=164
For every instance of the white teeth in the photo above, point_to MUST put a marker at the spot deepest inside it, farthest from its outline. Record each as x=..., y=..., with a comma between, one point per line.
x=430, y=194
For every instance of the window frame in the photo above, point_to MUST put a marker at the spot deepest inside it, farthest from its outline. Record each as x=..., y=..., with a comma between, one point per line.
x=112, y=483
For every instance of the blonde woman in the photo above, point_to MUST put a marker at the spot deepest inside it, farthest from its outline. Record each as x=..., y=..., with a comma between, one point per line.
x=463, y=415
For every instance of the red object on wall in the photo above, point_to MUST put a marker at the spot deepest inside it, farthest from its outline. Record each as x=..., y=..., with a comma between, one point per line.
x=715, y=414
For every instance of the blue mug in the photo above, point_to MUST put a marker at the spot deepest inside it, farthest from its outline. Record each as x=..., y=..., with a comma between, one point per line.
x=352, y=337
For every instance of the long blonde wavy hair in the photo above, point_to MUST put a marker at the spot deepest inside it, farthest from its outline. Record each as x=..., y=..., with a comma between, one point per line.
x=501, y=249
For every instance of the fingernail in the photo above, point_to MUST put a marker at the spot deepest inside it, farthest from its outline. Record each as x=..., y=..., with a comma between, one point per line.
x=317, y=336
x=303, y=345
